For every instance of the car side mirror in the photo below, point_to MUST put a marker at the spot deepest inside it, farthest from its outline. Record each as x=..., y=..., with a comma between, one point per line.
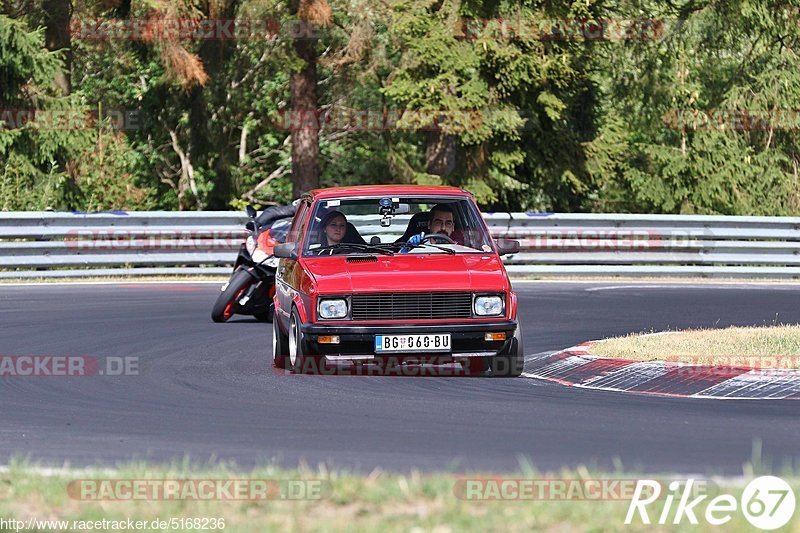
x=251, y=211
x=507, y=246
x=287, y=250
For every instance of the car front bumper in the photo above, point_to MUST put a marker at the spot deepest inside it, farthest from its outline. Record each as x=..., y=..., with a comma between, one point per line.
x=357, y=342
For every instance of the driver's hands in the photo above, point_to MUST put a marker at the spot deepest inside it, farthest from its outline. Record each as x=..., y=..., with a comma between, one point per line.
x=416, y=240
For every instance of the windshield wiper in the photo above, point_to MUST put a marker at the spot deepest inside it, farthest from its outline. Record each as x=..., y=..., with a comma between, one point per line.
x=354, y=246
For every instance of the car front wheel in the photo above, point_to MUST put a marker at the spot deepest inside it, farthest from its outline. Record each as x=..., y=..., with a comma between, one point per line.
x=509, y=364
x=300, y=357
x=280, y=344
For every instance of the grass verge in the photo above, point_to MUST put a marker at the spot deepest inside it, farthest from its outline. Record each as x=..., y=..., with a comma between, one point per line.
x=777, y=346
x=379, y=501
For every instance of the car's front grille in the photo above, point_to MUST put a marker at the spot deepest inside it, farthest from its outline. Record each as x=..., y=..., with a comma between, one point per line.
x=411, y=305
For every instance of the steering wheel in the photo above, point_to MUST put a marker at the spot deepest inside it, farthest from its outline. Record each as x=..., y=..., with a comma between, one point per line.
x=441, y=236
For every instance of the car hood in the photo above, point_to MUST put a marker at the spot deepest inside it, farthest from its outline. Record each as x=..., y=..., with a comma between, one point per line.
x=413, y=273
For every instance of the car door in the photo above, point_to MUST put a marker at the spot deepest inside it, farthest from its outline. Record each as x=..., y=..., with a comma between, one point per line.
x=285, y=276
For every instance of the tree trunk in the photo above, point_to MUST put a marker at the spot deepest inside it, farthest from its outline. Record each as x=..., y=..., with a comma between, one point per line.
x=440, y=153
x=57, y=37
x=305, y=134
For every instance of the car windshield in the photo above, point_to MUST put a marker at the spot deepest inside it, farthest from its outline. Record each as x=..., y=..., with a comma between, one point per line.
x=396, y=225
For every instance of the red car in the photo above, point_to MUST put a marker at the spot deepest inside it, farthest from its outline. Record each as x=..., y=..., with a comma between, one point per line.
x=408, y=273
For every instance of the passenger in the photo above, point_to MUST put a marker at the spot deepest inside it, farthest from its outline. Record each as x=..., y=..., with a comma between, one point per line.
x=332, y=228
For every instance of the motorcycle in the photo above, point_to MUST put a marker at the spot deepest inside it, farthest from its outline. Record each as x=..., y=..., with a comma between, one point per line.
x=251, y=287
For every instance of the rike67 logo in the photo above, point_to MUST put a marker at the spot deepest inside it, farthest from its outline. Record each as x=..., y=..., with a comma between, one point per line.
x=767, y=502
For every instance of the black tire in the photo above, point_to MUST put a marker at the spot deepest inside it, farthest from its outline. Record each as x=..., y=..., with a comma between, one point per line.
x=227, y=302
x=304, y=361
x=510, y=364
x=265, y=292
x=280, y=350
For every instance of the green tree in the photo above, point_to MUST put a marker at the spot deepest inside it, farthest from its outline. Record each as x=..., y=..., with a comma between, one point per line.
x=32, y=152
x=689, y=118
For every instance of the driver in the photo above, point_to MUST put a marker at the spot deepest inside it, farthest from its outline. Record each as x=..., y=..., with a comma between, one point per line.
x=441, y=221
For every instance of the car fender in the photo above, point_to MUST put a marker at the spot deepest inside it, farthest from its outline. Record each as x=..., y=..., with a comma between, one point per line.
x=512, y=305
x=299, y=304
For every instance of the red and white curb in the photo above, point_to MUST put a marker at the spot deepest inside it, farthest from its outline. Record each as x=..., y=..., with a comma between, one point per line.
x=575, y=367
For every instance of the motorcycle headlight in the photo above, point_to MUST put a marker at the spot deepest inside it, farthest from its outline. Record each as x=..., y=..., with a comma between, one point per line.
x=488, y=305
x=332, y=308
x=250, y=244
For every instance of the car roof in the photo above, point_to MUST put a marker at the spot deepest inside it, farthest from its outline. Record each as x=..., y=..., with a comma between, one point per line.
x=387, y=190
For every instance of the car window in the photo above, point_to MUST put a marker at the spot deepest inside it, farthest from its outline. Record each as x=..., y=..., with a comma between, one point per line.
x=450, y=222
x=298, y=223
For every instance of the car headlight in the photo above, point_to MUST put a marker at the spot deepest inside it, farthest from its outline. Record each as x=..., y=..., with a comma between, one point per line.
x=332, y=308
x=488, y=305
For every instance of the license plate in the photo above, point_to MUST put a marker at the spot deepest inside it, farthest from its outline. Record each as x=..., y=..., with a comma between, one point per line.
x=436, y=342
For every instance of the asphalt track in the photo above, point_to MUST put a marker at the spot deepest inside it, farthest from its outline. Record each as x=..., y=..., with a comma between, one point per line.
x=205, y=391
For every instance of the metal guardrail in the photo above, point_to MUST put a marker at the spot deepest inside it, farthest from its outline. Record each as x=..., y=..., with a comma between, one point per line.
x=36, y=244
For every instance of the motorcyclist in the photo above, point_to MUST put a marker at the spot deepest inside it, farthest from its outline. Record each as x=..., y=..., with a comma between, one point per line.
x=273, y=213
